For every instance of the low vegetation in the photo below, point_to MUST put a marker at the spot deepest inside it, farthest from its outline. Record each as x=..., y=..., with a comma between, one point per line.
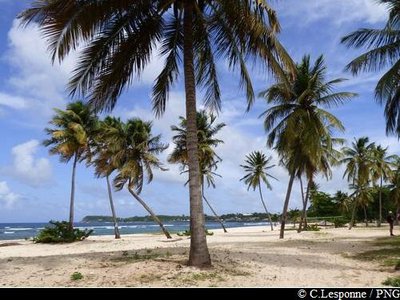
x=60, y=232
x=76, y=276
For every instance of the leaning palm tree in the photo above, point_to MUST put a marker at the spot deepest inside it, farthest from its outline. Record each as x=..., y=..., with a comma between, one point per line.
x=70, y=138
x=134, y=152
x=358, y=160
x=208, y=159
x=119, y=38
x=383, y=50
x=381, y=171
x=297, y=122
x=103, y=159
x=257, y=166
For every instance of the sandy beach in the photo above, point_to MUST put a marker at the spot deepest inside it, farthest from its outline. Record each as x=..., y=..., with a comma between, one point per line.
x=244, y=257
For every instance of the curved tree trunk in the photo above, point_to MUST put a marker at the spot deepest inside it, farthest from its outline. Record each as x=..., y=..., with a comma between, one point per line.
x=286, y=205
x=153, y=215
x=305, y=202
x=72, y=200
x=353, y=214
x=114, y=216
x=380, y=203
x=199, y=255
x=213, y=211
x=265, y=207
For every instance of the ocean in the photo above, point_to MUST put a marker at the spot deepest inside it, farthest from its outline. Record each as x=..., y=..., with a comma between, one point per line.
x=14, y=231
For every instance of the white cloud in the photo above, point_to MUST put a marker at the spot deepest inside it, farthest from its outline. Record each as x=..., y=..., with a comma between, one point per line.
x=33, y=79
x=338, y=12
x=27, y=168
x=7, y=197
x=13, y=101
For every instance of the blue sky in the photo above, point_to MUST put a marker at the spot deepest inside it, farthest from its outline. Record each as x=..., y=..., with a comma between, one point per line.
x=35, y=186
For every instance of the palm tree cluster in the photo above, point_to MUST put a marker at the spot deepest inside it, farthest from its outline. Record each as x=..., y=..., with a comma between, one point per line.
x=111, y=146
x=367, y=165
x=117, y=39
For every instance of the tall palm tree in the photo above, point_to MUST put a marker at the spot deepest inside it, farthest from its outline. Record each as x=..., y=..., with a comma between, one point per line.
x=69, y=137
x=134, y=152
x=119, y=38
x=257, y=166
x=297, y=122
x=208, y=159
x=383, y=50
x=103, y=160
x=381, y=171
x=358, y=160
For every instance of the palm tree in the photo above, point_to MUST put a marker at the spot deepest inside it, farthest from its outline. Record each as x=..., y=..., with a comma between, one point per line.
x=134, y=152
x=358, y=160
x=103, y=160
x=383, y=50
x=208, y=159
x=329, y=157
x=119, y=38
x=361, y=196
x=380, y=171
x=70, y=138
x=297, y=122
x=257, y=166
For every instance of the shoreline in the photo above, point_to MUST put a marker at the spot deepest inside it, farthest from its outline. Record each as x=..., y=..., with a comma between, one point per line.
x=243, y=257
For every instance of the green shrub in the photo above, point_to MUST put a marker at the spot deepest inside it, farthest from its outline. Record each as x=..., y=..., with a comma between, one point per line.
x=188, y=233
x=339, y=222
x=59, y=232
x=392, y=281
x=76, y=276
x=313, y=227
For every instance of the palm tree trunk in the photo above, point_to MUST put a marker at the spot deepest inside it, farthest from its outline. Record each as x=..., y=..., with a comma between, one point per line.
x=365, y=216
x=213, y=211
x=353, y=215
x=380, y=203
x=153, y=215
x=265, y=207
x=396, y=220
x=72, y=200
x=305, y=202
x=114, y=216
x=199, y=255
x=286, y=205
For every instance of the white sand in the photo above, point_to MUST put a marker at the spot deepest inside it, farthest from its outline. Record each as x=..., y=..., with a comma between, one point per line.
x=248, y=256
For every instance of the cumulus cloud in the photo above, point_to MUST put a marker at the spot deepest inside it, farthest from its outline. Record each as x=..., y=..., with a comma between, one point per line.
x=33, y=76
x=27, y=168
x=7, y=198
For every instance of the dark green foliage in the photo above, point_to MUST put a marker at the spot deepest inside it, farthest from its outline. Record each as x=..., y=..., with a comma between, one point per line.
x=339, y=222
x=392, y=281
x=76, y=276
x=60, y=232
x=322, y=205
